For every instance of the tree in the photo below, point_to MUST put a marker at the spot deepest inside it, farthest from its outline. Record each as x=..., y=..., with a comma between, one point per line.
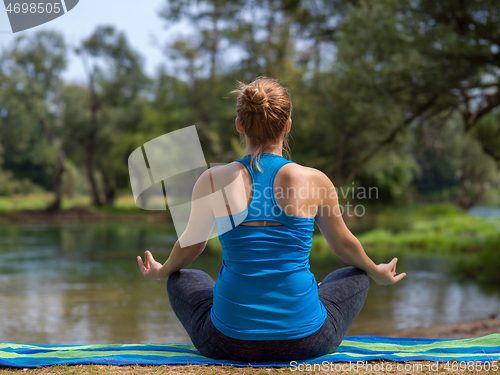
x=428, y=57
x=113, y=94
x=31, y=81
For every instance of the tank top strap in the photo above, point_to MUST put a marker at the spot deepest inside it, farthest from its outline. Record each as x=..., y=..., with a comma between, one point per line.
x=270, y=165
x=263, y=205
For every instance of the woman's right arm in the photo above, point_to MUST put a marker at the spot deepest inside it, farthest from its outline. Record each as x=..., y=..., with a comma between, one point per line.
x=342, y=241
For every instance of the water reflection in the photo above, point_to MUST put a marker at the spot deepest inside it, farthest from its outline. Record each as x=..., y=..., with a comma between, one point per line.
x=485, y=212
x=77, y=284
x=425, y=297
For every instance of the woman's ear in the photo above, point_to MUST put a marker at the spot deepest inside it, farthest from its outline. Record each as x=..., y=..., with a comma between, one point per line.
x=238, y=126
x=288, y=126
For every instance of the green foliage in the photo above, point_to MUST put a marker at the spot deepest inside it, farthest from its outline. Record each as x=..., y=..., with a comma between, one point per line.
x=9, y=185
x=390, y=173
x=453, y=165
x=405, y=65
x=397, y=95
x=437, y=229
x=30, y=76
x=483, y=267
x=487, y=132
x=443, y=230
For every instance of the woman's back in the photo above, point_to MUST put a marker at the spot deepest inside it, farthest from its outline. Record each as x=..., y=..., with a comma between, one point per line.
x=265, y=290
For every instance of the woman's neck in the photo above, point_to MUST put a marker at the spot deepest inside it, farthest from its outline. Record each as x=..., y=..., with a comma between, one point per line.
x=276, y=149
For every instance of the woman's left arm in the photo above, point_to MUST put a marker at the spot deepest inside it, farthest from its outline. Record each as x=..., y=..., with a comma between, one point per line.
x=194, y=239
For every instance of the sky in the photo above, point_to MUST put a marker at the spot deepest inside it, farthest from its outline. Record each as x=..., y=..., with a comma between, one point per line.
x=137, y=19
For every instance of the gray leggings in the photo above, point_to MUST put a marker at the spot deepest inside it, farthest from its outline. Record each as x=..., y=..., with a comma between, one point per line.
x=342, y=292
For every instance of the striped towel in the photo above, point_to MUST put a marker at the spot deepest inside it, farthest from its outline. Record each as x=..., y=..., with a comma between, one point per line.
x=353, y=349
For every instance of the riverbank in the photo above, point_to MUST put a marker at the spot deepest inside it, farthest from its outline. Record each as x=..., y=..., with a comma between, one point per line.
x=438, y=229
x=82, y=214
x=474, y=328
x=32, y=209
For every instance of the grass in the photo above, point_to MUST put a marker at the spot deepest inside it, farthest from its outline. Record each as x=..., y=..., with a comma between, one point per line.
x=40, y=201
x=371, y=367
x=24, y=202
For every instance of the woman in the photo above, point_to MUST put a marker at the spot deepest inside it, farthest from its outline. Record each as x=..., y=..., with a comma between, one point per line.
x=266, y=305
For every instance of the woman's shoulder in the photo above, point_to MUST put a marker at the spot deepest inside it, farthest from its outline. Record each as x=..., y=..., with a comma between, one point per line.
x=221, y=175
x=293, y=172
x=306, y=185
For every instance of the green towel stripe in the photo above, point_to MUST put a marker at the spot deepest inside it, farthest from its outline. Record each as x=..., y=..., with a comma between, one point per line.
x=138, y=354
x=90, y=346
x=81, y=354
x=86, y=354
x=419, y=348
x=492, y=340
x=357, y=356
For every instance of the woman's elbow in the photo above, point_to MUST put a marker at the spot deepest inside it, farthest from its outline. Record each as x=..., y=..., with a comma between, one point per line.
x=347, y=246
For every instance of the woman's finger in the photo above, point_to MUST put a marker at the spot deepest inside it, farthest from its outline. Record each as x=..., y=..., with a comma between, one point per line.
x=141, y=265
x=393, y=264
x=399, y=277
x=150, y=256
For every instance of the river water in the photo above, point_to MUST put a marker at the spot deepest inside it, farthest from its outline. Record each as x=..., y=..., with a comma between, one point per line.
x=80, y=284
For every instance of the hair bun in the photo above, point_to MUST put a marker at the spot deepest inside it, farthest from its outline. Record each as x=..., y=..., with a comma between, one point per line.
x=254, y=99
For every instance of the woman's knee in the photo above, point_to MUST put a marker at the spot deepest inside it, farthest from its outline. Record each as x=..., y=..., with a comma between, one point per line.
x=345, y=273
x=187, y=276
x=344, y=284
x=173, y=280
x=363, y=277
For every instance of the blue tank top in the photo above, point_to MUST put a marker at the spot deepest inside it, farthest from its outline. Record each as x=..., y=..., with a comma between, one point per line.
x=265, y=290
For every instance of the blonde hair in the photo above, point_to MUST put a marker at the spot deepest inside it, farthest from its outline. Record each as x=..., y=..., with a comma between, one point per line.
x=263, y=108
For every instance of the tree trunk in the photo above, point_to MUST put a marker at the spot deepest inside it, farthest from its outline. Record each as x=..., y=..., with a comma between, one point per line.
x=89, y=165
x=109, y=191
x=89, y=153
x=90, y=143
x=61, y=160
x=57, y=181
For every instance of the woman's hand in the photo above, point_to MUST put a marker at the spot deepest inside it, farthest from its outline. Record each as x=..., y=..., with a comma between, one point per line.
x=151, y=269
x=385, y=273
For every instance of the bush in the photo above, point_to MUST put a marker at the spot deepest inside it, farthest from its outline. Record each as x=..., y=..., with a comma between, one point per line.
x=9, y=185
x=483, y=267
